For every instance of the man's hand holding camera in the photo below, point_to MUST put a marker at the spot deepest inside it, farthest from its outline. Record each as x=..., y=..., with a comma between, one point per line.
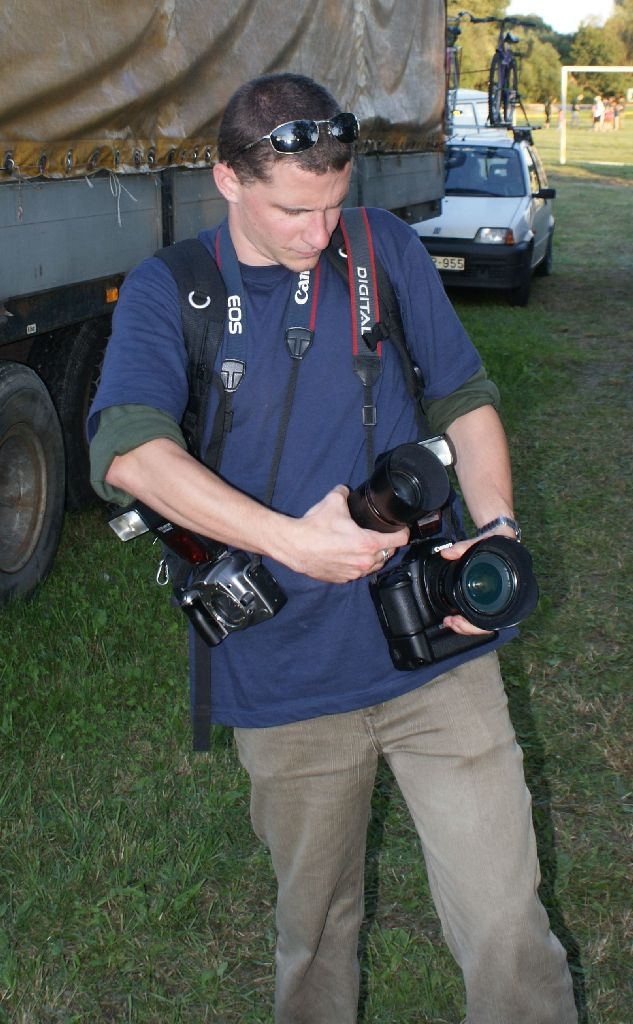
x=328, y=545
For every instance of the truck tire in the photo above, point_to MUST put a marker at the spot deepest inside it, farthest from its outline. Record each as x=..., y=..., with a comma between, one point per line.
x=70, y=365
x=32, y=481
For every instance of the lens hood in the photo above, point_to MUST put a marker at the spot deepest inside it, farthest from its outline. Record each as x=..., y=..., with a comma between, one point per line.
x=492, y=584
x=408, y=483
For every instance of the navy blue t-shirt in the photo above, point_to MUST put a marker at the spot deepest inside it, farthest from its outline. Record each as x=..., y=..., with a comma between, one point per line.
x=324, y=652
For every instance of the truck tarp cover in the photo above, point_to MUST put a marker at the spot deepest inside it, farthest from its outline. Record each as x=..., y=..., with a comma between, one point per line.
x=108, y=84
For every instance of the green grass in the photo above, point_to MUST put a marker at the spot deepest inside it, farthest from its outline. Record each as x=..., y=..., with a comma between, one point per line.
x=131, y=886
x=589, y=155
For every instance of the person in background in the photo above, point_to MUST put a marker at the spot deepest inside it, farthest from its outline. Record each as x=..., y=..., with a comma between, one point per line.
x=597, y=113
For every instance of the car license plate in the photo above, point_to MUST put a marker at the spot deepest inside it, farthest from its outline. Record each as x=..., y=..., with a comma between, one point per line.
x=449, y=262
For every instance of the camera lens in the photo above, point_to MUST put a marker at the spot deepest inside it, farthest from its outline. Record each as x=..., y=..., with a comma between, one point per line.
x=408, y=483
x=487, y=583
x=227, y=609
x=406, y=489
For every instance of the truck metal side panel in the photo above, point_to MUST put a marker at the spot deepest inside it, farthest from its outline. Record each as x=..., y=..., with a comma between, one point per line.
x=393, y=179
x=197, y=204
x=58, y=233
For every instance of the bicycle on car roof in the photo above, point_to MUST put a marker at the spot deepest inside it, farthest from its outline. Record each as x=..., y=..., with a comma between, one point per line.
x=503, y=78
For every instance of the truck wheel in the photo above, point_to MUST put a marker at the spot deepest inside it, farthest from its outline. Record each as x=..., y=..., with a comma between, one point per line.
x=70, y=365
x=32, y=480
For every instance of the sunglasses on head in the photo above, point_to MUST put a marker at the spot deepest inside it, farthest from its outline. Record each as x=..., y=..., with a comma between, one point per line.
x=297, y=136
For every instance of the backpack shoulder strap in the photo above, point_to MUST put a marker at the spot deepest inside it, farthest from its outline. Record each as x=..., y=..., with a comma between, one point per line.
x=203, y=308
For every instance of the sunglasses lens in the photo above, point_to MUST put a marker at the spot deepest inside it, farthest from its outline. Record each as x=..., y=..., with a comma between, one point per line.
x=344, y=127
x=294, y=136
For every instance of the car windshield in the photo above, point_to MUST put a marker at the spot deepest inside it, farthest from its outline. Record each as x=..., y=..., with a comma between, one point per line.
x=483, y=171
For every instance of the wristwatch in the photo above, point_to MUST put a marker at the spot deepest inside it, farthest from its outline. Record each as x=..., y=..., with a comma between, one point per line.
x=500, y=521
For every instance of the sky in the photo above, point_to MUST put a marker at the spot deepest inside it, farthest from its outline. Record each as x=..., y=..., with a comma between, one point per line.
x=563, y=15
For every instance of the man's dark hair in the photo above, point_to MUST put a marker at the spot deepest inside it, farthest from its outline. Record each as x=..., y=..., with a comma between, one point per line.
x=266, y=102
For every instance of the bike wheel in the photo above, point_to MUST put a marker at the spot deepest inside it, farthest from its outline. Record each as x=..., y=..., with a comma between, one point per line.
x=495, y=87
x=510, y=92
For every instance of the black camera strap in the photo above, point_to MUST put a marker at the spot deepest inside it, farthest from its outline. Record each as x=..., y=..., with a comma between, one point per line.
x=299, y=338
x=300, y=318
x=299, y=335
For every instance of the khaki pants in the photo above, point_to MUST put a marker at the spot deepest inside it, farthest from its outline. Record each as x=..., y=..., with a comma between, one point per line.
x=452, y=750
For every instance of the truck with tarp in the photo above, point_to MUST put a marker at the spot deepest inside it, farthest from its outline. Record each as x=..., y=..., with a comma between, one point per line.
x=108, y=125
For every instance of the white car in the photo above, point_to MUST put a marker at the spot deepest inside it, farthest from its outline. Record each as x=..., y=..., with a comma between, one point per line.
x=497, y=222
x=470, y=108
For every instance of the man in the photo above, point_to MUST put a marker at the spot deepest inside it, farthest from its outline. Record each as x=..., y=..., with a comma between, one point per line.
x=312, y=693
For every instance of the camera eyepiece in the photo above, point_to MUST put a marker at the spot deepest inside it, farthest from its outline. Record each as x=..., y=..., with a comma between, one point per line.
x=408, y=483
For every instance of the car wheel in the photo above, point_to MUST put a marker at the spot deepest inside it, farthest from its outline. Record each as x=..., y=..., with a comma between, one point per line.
x=520, y=294
x=31, y=480
x=545, y=267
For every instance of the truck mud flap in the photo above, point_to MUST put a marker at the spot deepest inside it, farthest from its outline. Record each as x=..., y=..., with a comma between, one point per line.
x=69, y=363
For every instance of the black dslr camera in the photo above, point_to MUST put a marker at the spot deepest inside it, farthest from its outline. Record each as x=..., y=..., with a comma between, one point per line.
x=491, y=585
x=224, y=590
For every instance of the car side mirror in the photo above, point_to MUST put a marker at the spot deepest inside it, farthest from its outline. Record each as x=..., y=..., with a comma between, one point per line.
x=545, y=193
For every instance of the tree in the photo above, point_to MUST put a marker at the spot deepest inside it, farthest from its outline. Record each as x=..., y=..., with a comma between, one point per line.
x=477, y=42
x=546, y=34
x=621, y=23
x=539, y=79
x=595, y=45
